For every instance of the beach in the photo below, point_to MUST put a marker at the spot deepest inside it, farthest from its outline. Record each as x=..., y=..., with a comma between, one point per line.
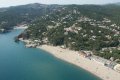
x=73, y=57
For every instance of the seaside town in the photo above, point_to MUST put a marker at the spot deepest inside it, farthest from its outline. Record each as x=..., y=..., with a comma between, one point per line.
x=86, y=36
x=111, y=63
x=86, y=54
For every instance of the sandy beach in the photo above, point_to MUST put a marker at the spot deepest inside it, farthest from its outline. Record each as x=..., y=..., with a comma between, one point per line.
x=94, y=67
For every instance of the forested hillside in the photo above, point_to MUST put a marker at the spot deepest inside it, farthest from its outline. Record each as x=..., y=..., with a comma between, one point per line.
x=24, y=14
x=80, y=27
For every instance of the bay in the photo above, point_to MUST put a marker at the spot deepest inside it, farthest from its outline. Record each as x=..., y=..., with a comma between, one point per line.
x=20, y=63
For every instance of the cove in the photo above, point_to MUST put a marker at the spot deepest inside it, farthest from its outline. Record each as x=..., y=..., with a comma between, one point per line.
x=20, y=63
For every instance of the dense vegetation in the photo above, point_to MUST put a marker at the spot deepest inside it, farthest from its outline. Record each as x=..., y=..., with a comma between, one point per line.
x=24, y=14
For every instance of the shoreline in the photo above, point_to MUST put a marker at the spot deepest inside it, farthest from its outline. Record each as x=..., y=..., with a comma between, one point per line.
x=73, y=57
x=21, y=27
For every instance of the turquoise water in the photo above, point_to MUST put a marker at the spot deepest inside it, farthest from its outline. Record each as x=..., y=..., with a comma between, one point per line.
x=20, y=63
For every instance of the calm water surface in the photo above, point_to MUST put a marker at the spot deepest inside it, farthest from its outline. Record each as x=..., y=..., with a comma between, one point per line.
x=20, y=63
